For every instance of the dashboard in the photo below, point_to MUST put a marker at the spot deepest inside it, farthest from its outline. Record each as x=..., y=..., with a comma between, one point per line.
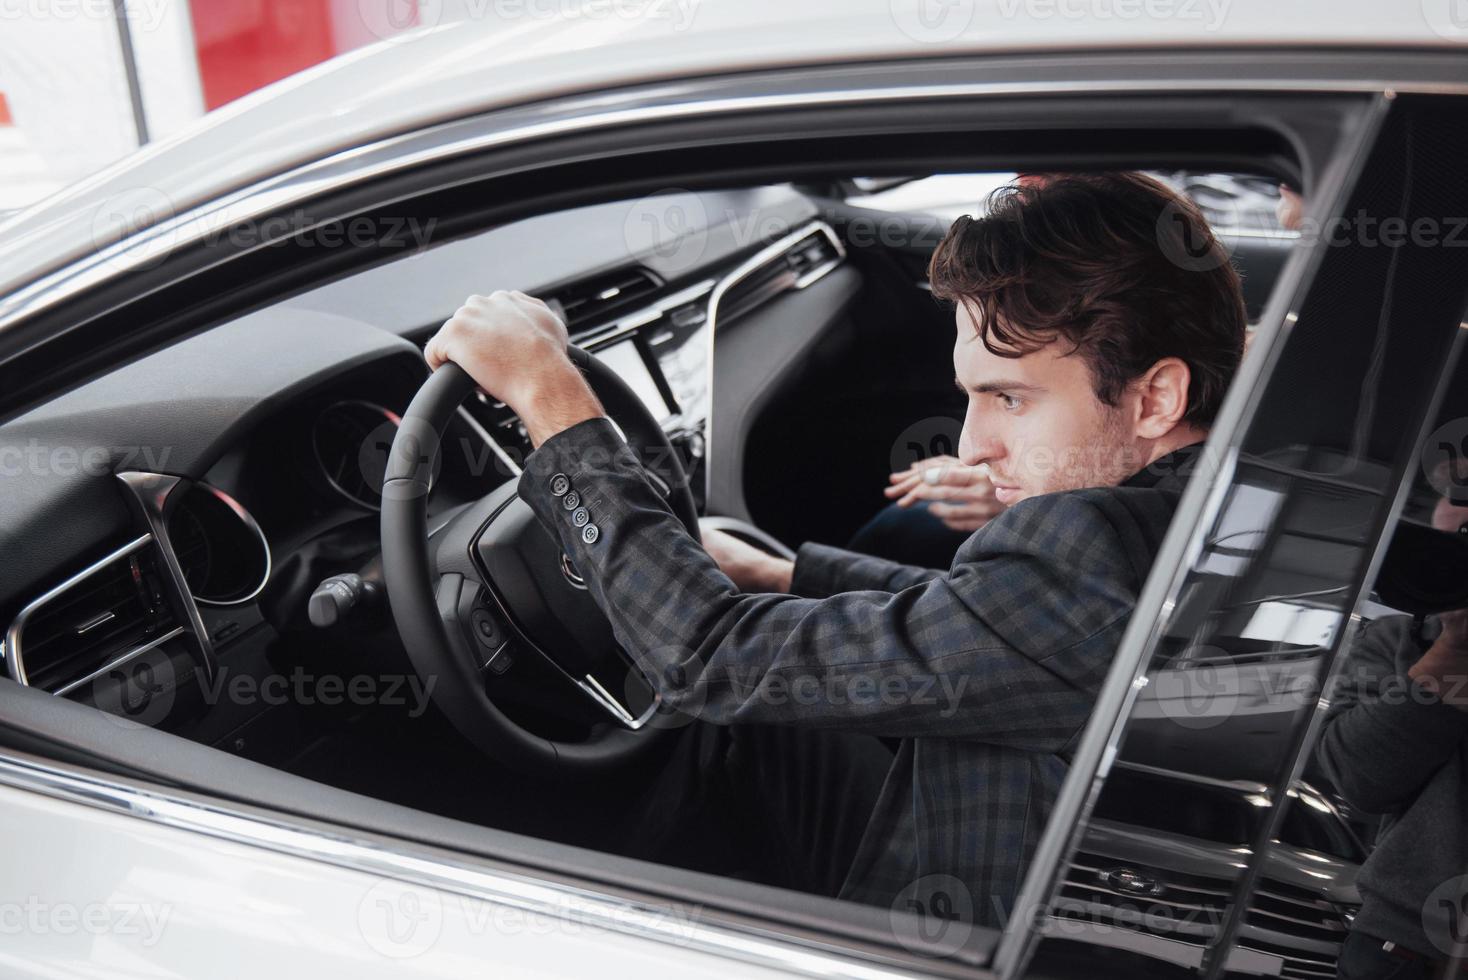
x=166, y=512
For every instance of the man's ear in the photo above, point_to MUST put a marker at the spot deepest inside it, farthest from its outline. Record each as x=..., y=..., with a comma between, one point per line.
x=1162, y=397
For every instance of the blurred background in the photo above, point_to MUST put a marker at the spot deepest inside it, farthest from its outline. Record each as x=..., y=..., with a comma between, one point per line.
x=83, y=82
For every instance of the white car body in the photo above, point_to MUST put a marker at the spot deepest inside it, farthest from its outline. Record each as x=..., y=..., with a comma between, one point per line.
x=457, y=70
x=139, y=899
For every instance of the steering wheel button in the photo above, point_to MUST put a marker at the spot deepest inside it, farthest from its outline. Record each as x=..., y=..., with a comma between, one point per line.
x=485, y=627
x=581, y=517
x=571, y=500
x=559, y=484
x=590, y=533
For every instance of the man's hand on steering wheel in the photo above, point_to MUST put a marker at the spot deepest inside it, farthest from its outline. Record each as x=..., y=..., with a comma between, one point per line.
x=514, y=347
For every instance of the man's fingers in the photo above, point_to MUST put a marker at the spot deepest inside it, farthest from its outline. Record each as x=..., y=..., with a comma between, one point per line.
x=898, y=489
x=978, y=495
x=960, y=476
x=951, y=473
x=434, y=353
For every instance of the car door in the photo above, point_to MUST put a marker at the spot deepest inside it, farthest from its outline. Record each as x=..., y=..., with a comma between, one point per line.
x=143, y=898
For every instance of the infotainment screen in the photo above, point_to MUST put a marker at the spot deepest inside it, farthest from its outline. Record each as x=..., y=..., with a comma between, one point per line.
x=625, y=359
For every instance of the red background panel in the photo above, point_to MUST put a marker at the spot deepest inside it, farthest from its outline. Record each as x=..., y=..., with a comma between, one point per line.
x=246, y=44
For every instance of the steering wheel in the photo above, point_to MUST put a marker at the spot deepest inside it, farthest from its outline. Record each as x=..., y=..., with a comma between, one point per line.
x=492, y=587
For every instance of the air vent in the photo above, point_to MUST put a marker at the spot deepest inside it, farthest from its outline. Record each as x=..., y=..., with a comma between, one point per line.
x=71, y=634
x=791, y=269
x=592, y=301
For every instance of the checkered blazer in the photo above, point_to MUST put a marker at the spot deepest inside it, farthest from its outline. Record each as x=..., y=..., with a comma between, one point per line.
x=986, y=672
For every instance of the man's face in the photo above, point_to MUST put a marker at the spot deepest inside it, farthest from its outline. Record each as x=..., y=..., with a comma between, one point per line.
x=1036, y=421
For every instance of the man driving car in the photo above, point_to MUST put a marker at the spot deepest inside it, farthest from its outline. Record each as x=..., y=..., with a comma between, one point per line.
x=1093, y=367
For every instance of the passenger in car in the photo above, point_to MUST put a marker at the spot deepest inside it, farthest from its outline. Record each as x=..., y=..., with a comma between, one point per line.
x=1093, y=366
x=1395, y=744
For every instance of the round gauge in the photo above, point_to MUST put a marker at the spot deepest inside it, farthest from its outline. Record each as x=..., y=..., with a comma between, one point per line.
x=351, y=440
x=222, y=551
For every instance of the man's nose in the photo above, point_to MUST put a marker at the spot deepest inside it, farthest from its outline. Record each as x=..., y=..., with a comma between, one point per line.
x=976, y=446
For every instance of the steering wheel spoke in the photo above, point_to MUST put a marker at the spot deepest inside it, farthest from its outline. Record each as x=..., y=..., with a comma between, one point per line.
x=469, y=616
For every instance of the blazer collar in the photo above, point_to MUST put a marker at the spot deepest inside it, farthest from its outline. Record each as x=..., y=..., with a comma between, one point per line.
x=1171, y=470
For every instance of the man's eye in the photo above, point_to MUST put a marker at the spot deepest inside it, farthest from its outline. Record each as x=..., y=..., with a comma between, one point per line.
x=1009, y=402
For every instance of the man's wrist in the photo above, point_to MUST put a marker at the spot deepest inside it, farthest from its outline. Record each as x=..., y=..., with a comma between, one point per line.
x=553, y=399
x=775, y=574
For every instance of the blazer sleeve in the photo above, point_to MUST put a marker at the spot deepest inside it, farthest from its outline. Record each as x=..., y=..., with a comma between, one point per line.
x=1007, y=648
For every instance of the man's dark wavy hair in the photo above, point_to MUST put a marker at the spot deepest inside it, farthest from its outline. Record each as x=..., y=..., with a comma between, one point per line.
x=1115, y=264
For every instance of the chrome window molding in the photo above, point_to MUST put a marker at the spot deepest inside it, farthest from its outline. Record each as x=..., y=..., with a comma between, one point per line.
x=572, y=115
x=1182, y=546
x=416, y=864
x=11, y=648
